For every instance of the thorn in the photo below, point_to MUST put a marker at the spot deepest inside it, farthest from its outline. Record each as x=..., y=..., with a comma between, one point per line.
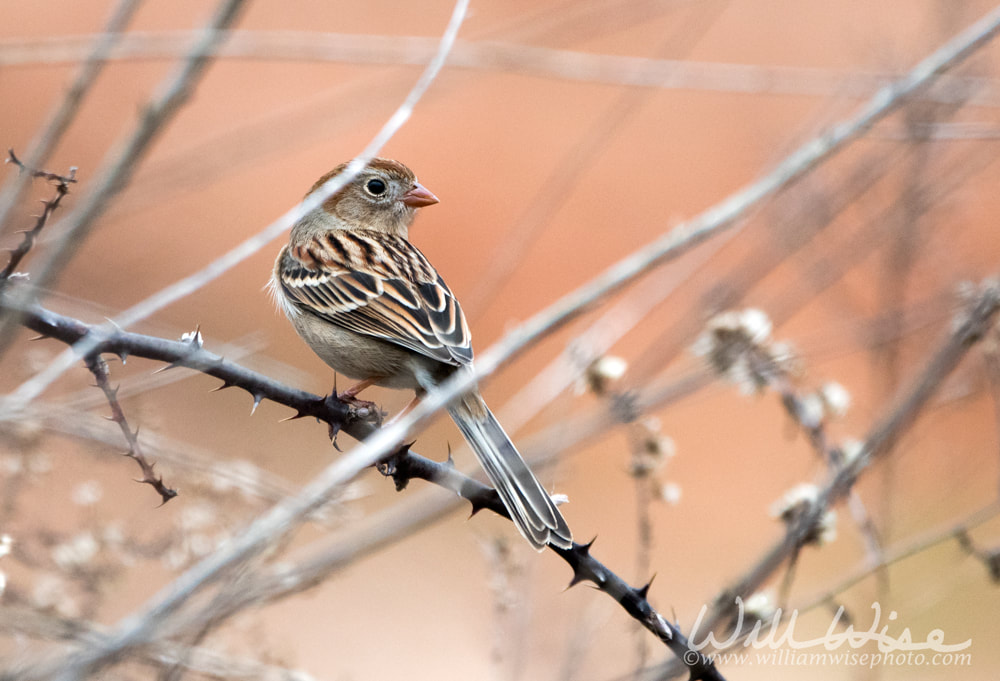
x=172, y=365
x=297, y=415
x=578, y=577
x=39, y=337
x=449, y=462
x=108, y=418
x=136, y=435
x=256, y=403
x=225, y=384
x=477, y=506
x=643, y=591
x=585, y=548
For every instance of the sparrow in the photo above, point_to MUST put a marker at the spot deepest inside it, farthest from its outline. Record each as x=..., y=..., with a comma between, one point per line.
x=372, y=306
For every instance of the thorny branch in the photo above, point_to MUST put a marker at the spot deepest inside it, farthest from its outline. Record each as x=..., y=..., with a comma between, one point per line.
x=62, y=183
x=99, y=368
x=403, y=466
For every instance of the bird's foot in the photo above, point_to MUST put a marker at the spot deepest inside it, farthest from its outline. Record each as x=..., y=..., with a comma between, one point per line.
x=362, y=409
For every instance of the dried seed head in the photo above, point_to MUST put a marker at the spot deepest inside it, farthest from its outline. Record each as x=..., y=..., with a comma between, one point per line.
x=737, y=345
x=835, y=398
x=604, y=371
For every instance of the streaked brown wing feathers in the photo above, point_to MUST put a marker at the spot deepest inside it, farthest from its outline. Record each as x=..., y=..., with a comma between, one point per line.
x=379, y=286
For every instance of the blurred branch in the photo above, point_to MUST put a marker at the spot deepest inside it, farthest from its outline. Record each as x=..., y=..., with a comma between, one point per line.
x=717, y=219
x=95, y=54
x=955, y=531
x=77, y=225
x=192, y=459
x=968, y=329
x=32, y=623
x=557, y=189
x=311, y=46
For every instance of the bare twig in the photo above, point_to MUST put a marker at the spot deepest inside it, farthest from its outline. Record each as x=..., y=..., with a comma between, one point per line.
x=99, y=368
x=62, y=183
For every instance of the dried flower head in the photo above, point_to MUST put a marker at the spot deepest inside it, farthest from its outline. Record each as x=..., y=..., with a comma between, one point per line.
x=87, y=493
x=604, y=371
x=670, y=492
x=760, y=606
x=738, y=347
x=851, y=450
x=51, y=593
x=797, y=503
x=650, y=449
x=835, y=398
x=810, y=411
x=77, y=552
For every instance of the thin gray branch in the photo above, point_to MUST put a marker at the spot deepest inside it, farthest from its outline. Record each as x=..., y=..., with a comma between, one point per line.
x=511, y=57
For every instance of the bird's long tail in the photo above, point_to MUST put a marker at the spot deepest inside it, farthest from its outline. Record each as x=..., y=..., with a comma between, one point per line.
x=529, y=505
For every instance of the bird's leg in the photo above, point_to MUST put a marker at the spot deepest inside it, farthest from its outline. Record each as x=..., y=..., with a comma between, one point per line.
x=407, y=409
x=351, y=393
x=387, y=466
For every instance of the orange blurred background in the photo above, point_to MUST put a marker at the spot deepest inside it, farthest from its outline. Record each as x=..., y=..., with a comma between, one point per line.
x=545, y=180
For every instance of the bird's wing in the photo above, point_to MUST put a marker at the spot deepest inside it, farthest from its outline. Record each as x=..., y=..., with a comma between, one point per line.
x=379, y=286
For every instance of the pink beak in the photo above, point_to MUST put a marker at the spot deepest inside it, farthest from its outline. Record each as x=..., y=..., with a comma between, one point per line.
x=418, y=197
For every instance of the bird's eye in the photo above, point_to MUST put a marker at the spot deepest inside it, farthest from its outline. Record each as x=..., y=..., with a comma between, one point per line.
x=375, y=187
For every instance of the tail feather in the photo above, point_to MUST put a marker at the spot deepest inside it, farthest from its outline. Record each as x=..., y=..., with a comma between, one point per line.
x=529, y=505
